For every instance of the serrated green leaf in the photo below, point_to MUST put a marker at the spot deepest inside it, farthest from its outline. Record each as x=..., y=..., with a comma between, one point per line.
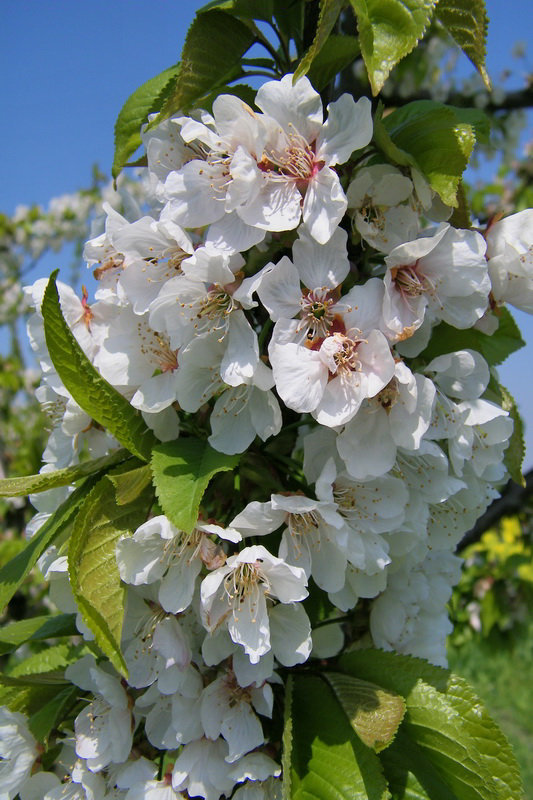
x=13, y=573
x=18, y=487
x=467, y=23
x=336, y=54
x=42, y=723
x=328, y=16
x=129, y=485
x=214, y=46
x=286, y=744
x=515, y=452
x=462, y=746
x=28, y=695
x=92, y=393
x=328, y=761
x=384, y=141
x=49, y=660
x=290, y=17
x=374, y=713
x=251, y=9
x=93, y=571
x=388, y=31
x=54, y=679
x=494, y=348
x=36, y=629
x=410, y=775
x=436, y=138
x=145, y=100
x=182, y=471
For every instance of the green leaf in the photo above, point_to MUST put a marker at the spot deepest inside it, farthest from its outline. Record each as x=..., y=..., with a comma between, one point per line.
x=18, y=487
x=49, y=660
x=286, y=744
x=30, y=693
x=436, y=138
x=328, y=16
x=460, y=217
x=35, y=629
x=335, y=55
x=240, y=90
x=388, y=31
x=410, y=775
x=250, y=9
x=129, y=485
x=42, y=723
x=494, y=348
x=93, y=571
x=374, y=713
x=214, y=46
x=92, y=393
x=145, y=100
x=461, y=747
x=327, y=760
x=182, y=471
x=514, y=455
x=467, y=23
x=13, y=573
x=290, y=18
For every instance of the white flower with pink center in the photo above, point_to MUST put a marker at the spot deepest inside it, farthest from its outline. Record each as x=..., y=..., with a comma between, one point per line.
x=444, y=273
x=294, y=177
x=333, y=380
x=239, y=595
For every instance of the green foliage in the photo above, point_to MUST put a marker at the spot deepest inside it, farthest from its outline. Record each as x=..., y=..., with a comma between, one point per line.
x=48, y=660
x=30, y=693
x=515, y=452
x=92, y=393
x=129, y=485
x=93, y=570
x=435, y=138
x=35, y=629
x=13, y=573
x=448, y=740
x=248, y=9
x=327, y=760
x=498, y=668
x=53, y=712
x=329, y=13
x=147, y=99
x=493, y=598
x=494, y=348
x=19, y=487
x=467, y=22
x=373, y=713
x=388, y=31
x=446, y=747
x=182, y=471
x=214, y=46
x=335, y=54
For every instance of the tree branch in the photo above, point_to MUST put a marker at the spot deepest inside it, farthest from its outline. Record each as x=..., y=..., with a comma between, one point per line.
x=510, y=101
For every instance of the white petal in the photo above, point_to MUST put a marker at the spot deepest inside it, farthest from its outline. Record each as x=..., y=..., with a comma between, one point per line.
x=347, y=128
x=291, y=634
x=324, y=204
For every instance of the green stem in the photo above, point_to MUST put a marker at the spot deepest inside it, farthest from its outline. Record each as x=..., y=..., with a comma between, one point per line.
x=333, y=621
x=265, y=330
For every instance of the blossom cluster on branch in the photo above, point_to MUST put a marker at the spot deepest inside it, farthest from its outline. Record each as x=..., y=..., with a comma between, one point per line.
x=285, y=294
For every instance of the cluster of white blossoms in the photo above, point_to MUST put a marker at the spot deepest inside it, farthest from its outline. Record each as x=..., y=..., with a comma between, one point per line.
x=275, y=283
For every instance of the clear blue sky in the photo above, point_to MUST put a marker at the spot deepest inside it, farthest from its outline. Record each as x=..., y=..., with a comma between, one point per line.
x=69, y=65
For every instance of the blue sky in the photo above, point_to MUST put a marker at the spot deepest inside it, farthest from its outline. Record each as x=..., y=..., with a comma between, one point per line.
x=69, y=65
